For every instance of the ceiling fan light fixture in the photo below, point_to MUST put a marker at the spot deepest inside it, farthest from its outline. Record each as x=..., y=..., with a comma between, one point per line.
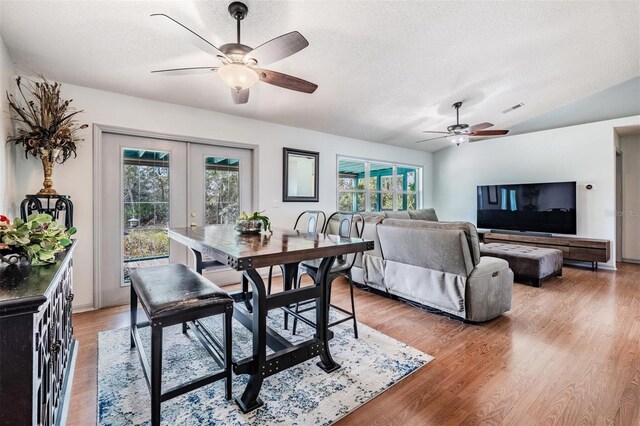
x=458, y=138
x=238, y=76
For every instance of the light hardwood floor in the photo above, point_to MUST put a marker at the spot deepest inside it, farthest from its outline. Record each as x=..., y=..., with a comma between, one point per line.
x=567, y=353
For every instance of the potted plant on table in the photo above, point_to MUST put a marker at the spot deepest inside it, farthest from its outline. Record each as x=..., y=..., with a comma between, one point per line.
x=49, y=128
x=253, y=224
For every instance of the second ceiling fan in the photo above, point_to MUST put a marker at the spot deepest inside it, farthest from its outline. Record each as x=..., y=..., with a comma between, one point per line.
x=460, y=133
x=242, y=65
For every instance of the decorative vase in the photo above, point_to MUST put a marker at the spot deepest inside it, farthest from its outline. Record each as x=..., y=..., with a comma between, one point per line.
x=15, y=266
x=248, y=226
x=48, y=157
x=13, y=257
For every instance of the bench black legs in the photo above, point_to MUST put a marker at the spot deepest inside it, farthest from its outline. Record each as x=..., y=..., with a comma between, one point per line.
x=156, y=373
x=219, y=351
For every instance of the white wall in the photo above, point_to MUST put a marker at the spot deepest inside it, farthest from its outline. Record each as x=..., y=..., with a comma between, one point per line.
x=75, y=177
x=630, y=214
x=7, y=198
x=584, y=153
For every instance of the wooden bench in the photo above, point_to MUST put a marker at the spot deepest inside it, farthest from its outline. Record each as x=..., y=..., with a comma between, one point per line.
x=171, y=295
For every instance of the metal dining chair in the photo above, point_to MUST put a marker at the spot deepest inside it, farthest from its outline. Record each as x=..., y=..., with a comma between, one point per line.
x=315, y=222
x=347, y=224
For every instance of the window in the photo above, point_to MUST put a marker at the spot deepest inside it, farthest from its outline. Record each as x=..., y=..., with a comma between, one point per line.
x=145, y=202
x=376, y=186
x=222, y=190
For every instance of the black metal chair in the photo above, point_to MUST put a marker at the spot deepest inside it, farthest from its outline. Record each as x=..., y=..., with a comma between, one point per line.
x=313, y=220
x=170, y=295
x=314, y=225
x=347, y=224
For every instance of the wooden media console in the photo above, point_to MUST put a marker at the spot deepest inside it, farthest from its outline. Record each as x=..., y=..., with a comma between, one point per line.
x=573, y=248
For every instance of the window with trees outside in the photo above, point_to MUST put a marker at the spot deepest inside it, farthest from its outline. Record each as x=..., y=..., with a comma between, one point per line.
x=145, y=207
x=365, y=185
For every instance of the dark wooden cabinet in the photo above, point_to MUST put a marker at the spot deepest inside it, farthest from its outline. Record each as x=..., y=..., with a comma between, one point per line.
x=573, y=248
x=37, y=348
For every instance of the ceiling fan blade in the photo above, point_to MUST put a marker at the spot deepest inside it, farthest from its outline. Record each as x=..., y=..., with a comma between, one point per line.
x=277, y=48
x=432, y=139
x=480, y=126
x=429, y=131
x=180, y=30
x=240, y=96
x=490, y=133
x=186, y=71
x=287, y=81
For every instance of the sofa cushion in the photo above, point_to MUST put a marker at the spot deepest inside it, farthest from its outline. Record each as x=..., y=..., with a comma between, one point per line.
x=468, y=228
x=423, y=214
x=403, y=214
x=378, y=216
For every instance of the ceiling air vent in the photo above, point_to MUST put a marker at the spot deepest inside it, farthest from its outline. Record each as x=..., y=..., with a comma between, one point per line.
x=520, y=105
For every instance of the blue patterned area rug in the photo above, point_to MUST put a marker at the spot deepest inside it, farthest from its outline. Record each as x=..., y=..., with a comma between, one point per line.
x=301, y=395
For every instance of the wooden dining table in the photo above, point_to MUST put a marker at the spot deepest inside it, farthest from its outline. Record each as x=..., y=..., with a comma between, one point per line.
x=248, y=252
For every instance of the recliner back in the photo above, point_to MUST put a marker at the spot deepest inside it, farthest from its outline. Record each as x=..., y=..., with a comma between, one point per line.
x=444, y=250
x=469, y=230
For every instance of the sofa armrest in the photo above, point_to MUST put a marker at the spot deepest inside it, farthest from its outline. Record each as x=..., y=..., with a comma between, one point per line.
x=488, y=266
x=488, y=292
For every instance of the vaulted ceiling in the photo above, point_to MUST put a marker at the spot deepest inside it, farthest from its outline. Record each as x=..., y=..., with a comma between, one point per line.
x=386, y=70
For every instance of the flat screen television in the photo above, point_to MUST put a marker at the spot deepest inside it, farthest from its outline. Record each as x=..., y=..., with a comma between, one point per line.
x=534, y=207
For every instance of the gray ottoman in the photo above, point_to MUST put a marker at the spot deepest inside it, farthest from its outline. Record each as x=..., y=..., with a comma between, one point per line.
x=531, y=263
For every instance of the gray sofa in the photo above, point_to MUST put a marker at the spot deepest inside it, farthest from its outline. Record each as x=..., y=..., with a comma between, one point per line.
x=437, y=264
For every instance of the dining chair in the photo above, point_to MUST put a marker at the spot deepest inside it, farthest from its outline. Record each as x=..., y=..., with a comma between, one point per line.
x=315, y=222
x=347, y=226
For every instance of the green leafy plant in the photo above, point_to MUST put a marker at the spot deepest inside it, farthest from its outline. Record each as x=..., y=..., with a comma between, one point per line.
x=266, y=222
x=40, y=237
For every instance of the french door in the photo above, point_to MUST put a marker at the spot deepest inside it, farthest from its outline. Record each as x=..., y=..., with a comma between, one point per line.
x=149, y=185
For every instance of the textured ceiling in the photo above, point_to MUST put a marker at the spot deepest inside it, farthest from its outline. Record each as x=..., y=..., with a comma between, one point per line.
x=621, y=100
x=386, y=70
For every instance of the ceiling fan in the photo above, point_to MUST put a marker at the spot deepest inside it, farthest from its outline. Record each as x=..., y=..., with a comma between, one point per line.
x=242, y=65
x=460, y=133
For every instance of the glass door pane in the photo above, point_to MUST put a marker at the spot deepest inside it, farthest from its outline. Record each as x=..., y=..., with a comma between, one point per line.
x=220, y=184
x=222, y=190
x=145, y=207
x=143, y=191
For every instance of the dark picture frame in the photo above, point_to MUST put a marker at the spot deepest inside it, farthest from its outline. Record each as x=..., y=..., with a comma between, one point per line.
x=493, y=194
x=300, y=173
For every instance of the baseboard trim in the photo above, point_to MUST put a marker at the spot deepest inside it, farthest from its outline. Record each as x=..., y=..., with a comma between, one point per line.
x=626, y=260
x=83, y=308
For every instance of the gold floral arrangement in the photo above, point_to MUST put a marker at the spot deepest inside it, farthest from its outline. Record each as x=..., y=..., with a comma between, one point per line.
x=49, y=128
